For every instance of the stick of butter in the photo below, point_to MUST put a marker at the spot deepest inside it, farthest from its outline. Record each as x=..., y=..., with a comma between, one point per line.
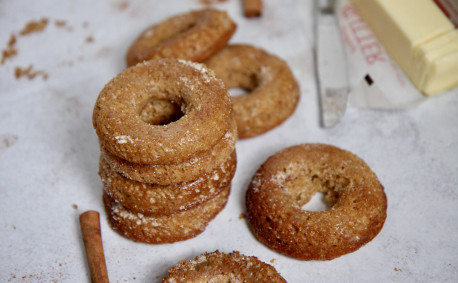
x=419, y=37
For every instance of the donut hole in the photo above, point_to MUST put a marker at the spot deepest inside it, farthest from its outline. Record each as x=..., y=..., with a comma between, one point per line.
x=241, y=83
x=317, y=203
x=237, y=91
x=312, y=192
x=158, y=111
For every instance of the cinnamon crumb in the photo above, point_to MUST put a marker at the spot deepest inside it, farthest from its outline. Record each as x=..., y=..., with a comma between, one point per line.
x=34, y=26
x=89, y=39
x=29, y=73
x=210, y=2
x=10, y=50
x=60, y=23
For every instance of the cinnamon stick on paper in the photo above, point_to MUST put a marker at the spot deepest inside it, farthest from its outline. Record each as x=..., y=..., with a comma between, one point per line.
x=92, y=238
x=252, y=8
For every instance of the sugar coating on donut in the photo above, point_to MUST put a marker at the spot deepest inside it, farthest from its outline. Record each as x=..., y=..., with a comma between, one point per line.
x=288, y=180
x=193, y=36
x=164, y=228
x=221, y=267
x=153, y=199
x=196, y=165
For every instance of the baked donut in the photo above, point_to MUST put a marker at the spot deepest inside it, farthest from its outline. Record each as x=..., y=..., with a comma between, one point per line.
x=221, y=267
x=152, y=199
x=190, y=36
x=197, y=165
x=288, y=179
x=206, y=118
x=273, y=92
x=164, y=228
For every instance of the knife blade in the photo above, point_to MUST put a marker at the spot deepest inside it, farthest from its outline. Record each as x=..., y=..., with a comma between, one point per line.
x=330, y=64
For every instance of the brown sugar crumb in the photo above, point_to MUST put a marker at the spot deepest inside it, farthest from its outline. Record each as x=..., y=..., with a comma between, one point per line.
x=10, y=50
x=29, y=73
x=89, y=39
x=123, y=5
x=60, y=23
x=242, y=216
x=210, y=2
x=34, y=26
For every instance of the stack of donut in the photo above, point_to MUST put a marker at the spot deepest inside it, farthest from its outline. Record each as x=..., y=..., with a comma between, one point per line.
x=167, y=137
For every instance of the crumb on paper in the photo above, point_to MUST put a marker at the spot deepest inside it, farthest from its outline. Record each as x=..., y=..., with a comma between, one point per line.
x=10, y=50
x=272, y=260
x=29, y=73
x=242, y=216
x=75, y=207
x=7, y=141
x=34, y=26
x=89, y=39
x=122, y=5
x=210, y=2
x=397, y=269
x=60, y=23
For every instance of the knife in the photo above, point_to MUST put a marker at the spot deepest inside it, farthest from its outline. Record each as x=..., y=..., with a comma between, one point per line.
x=330, y=64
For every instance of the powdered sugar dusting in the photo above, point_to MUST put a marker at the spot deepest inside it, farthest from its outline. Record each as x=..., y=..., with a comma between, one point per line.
x=123, y=139
x=208, y=74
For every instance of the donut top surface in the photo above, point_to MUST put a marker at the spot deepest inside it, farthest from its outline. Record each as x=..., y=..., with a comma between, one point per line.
x=202, y=98
x=191, y=36
x=220, y=267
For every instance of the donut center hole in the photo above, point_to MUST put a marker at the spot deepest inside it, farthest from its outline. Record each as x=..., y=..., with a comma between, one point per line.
x=237, y=91
x=317, y=203
x=313, y=193
x=158, y=111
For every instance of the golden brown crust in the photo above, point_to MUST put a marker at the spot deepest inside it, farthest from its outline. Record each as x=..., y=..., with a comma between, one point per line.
x=198, y=165
x=190, y=36
x=152, y=199
x=273, y=92
x=220, y=267
x=287, y=180
x=205, y=120
x=166, y=228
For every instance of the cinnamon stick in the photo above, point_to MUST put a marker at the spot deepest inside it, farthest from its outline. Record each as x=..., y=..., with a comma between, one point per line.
x=252, y=8
x=92, y=238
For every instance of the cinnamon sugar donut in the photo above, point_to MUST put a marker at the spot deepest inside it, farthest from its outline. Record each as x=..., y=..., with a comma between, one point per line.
x=273, y=92
x=288, y=179
x=205, y=120
x=191, y=36
x=221, y=267
x=195, y=166
x=166, y=199
x=164, y=228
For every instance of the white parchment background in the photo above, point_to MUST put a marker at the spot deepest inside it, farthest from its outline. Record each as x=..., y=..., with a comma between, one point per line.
x=49, y=153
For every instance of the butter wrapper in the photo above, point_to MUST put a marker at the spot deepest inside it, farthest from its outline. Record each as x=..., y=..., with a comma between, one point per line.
x=375, y=79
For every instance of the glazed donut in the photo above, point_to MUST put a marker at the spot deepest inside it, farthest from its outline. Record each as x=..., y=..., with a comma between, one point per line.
x=197, y=165
x=205, y=120
x=221, y=267
x=153, y=199
x=273, y=93
x=164, y=228
x=190, y=36
x=288, y=179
